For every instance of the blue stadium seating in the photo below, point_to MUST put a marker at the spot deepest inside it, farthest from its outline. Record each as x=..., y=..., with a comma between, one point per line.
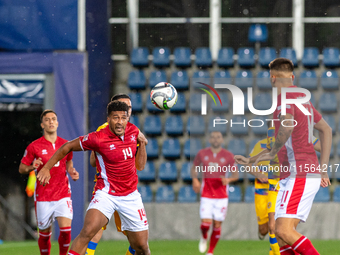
x=182, y=57
x=152, y=125
x=244, y=79
x=135, y=121
x=263, y=80
x=322, y=195
x=195, y=102
x=239, y=129
x=310, y=57
x=148, y=174
x=222, y=77
x=200, y=76
x=218, y=127
x=328, y=102
x=203, y=57
x=330, y=80
x=266, y=55
x=331, y=122
x=137, y=102
x=224, y=108
x=174, y=125
x=152, y=149
x=146, y=193
x=161, y=57
x=168, y=171
x=290, y=54
x=336, y=194
x=191, y=147
x=196, y=125
x=258, y=129
x=331, y=57
x=152, y=108
x=249, y=196
x=258, y=33
x=237, y=146
x=263, y=101
x=252, y=144
x=246, y=108
x=157, y=77
x=165, y=194
x=225, y=57
x=186, y=194
x=139, y=57
x=338, y=149
x=312, y=100
x=181, y=104
x=246, y=57
x=136, y=80
x=171, y=148
x=250, y=177
x=180, y=80
x=308, y=80
x=185, y=172
x=235, y=195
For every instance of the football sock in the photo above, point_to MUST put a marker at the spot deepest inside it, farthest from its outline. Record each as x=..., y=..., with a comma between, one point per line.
x=73, y=253
x=274, y=245
x=215, y=236
x=64, y=240
x=205, y=228
x=287, y=250
x=304, y=246
x=271, y=252
x=130, y=251
x=91, y=248
x=44, y=243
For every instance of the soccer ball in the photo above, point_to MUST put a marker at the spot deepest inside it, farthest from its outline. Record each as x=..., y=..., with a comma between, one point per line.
x=163, y=96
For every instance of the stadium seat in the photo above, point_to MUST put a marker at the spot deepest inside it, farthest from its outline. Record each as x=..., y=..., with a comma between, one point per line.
x=174, y=125
x=290, y=54
x=310, y=57
x=200, y=76
x=203, y=57
x=195, y=102
x=187, y=195
x=331, y=57
x=237, y=147
x=168, y=172
x=258, y=33
x=235, y=195
x=151, y=107
x=182, y=57
x=152, y=149
x=224, y=108
x=148, y=174
x=137, y=105
x=165, y=194
x=181, y=104
x=139, y=57
x=308, y=80
x=258, y=129
x=185, y=172
x=218, y=127
x=328, y=102
x=330, y=80
x=249, y=195
x=136, y=80
x=312, y=100
x=263, y=101
x=244, y=79
x=171, y=148
x=152, y=125
x=322, y=195
x=225, y=57
x=336, y=194
x=263, y=80
x=250, y=177
x=146, y=193
x=266, y=55
x=246, y=57
x=222, y=77
x=191, y=147
x=135, y=121
x=157, y=77
x=331, y=122
x=180, y=80
x=196, y=125
x=241, y=126
x=161, y=57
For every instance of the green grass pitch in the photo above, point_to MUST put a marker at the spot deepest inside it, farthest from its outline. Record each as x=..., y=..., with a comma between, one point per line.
x=167, y=247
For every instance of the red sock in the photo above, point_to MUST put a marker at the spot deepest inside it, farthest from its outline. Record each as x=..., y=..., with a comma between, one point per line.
x=64, y=240
x=304, y=246
x=287, y=250
x=73, y=253
x=215, y=236
x=205, y=228
x=44, y=243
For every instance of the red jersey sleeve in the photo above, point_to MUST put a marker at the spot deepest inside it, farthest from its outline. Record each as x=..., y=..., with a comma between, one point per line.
x=317, y=115
x=197, y=160
x=69, y=156
x=29, y=156
x=89, y=141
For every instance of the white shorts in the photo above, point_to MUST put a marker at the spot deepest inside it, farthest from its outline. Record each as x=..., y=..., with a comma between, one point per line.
x=213, y=208
x=295, y=197
x=47, y=211
x=130, y=209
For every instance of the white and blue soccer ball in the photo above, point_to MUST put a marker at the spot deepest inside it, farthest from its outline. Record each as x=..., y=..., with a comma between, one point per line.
x=164, y=95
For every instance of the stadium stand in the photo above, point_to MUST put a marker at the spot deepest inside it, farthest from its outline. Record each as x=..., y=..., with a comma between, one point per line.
x=258, y=129
x=244, y=79
x=323, y=195
x=152, y=125
x=328, y=102
x=310, y=58
x=181, y=104
x=136, y=80
x=182, y=57
x=148, y=174
x=135, y=121
x=137, y=100
x=258, y=33
x=186, y=194
x=239, y=125
x=218, y=108
x=308, y=80
x=171, y=148
x=168, y=171
x=146, y=193
x=185, y=172
x=249, y=195
x=263, y=80
x=225, y=57
x=218, y=127
x=246, y=57
x=336, y=194
x=139, y=57
x=266, y=55
x=180, y=80
x=331, y=122
x=203, y=57
x=165, y=194
x=174, y=125
x=263, y=101
x=235, y=195
x=331, y=57
x=222, y=77
x=195, y=102
x=290, y=54
x=152, y=149
x=329, y=80
x=237, y=146
x=157, y=77
x=196, y=125
x=161, y=57
x=191, y=147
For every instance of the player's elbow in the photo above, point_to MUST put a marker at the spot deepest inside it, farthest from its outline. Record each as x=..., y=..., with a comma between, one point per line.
x=22, y=169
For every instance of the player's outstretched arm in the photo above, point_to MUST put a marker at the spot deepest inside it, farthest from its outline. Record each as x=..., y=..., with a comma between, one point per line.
x=25, y=169
x=44, y=174
x=141, y=155
x=93, y=159
x=71, y=170
x=245, y=161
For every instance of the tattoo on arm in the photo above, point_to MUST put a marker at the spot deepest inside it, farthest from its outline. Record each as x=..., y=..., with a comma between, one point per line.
x=282, y=135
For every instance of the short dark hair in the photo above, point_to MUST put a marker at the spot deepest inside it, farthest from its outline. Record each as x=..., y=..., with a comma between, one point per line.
x=45, y=112
x=120, y=96
x=282, y=65
x=117, y=106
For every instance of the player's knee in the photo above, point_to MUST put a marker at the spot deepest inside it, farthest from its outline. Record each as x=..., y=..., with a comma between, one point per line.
x=142, y=248
x=281, y=233
x=87, y=233
x=263, y=229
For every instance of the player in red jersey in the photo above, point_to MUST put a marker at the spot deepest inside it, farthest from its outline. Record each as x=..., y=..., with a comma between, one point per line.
x=52, y=201
x=214, y=163
x=300, y=169
x=116, y=187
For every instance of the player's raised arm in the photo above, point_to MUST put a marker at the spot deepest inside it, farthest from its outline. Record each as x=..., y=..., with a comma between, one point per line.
x=141, y=155
x=25, y=169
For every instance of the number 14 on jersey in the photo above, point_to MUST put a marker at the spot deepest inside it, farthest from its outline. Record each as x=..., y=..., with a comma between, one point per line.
x=127, y=153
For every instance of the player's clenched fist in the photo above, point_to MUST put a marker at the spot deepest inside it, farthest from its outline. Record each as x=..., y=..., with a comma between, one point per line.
x=141, y=138
x=44, y=176
x=37, y=163
x=73, y=173
x=241, y=160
